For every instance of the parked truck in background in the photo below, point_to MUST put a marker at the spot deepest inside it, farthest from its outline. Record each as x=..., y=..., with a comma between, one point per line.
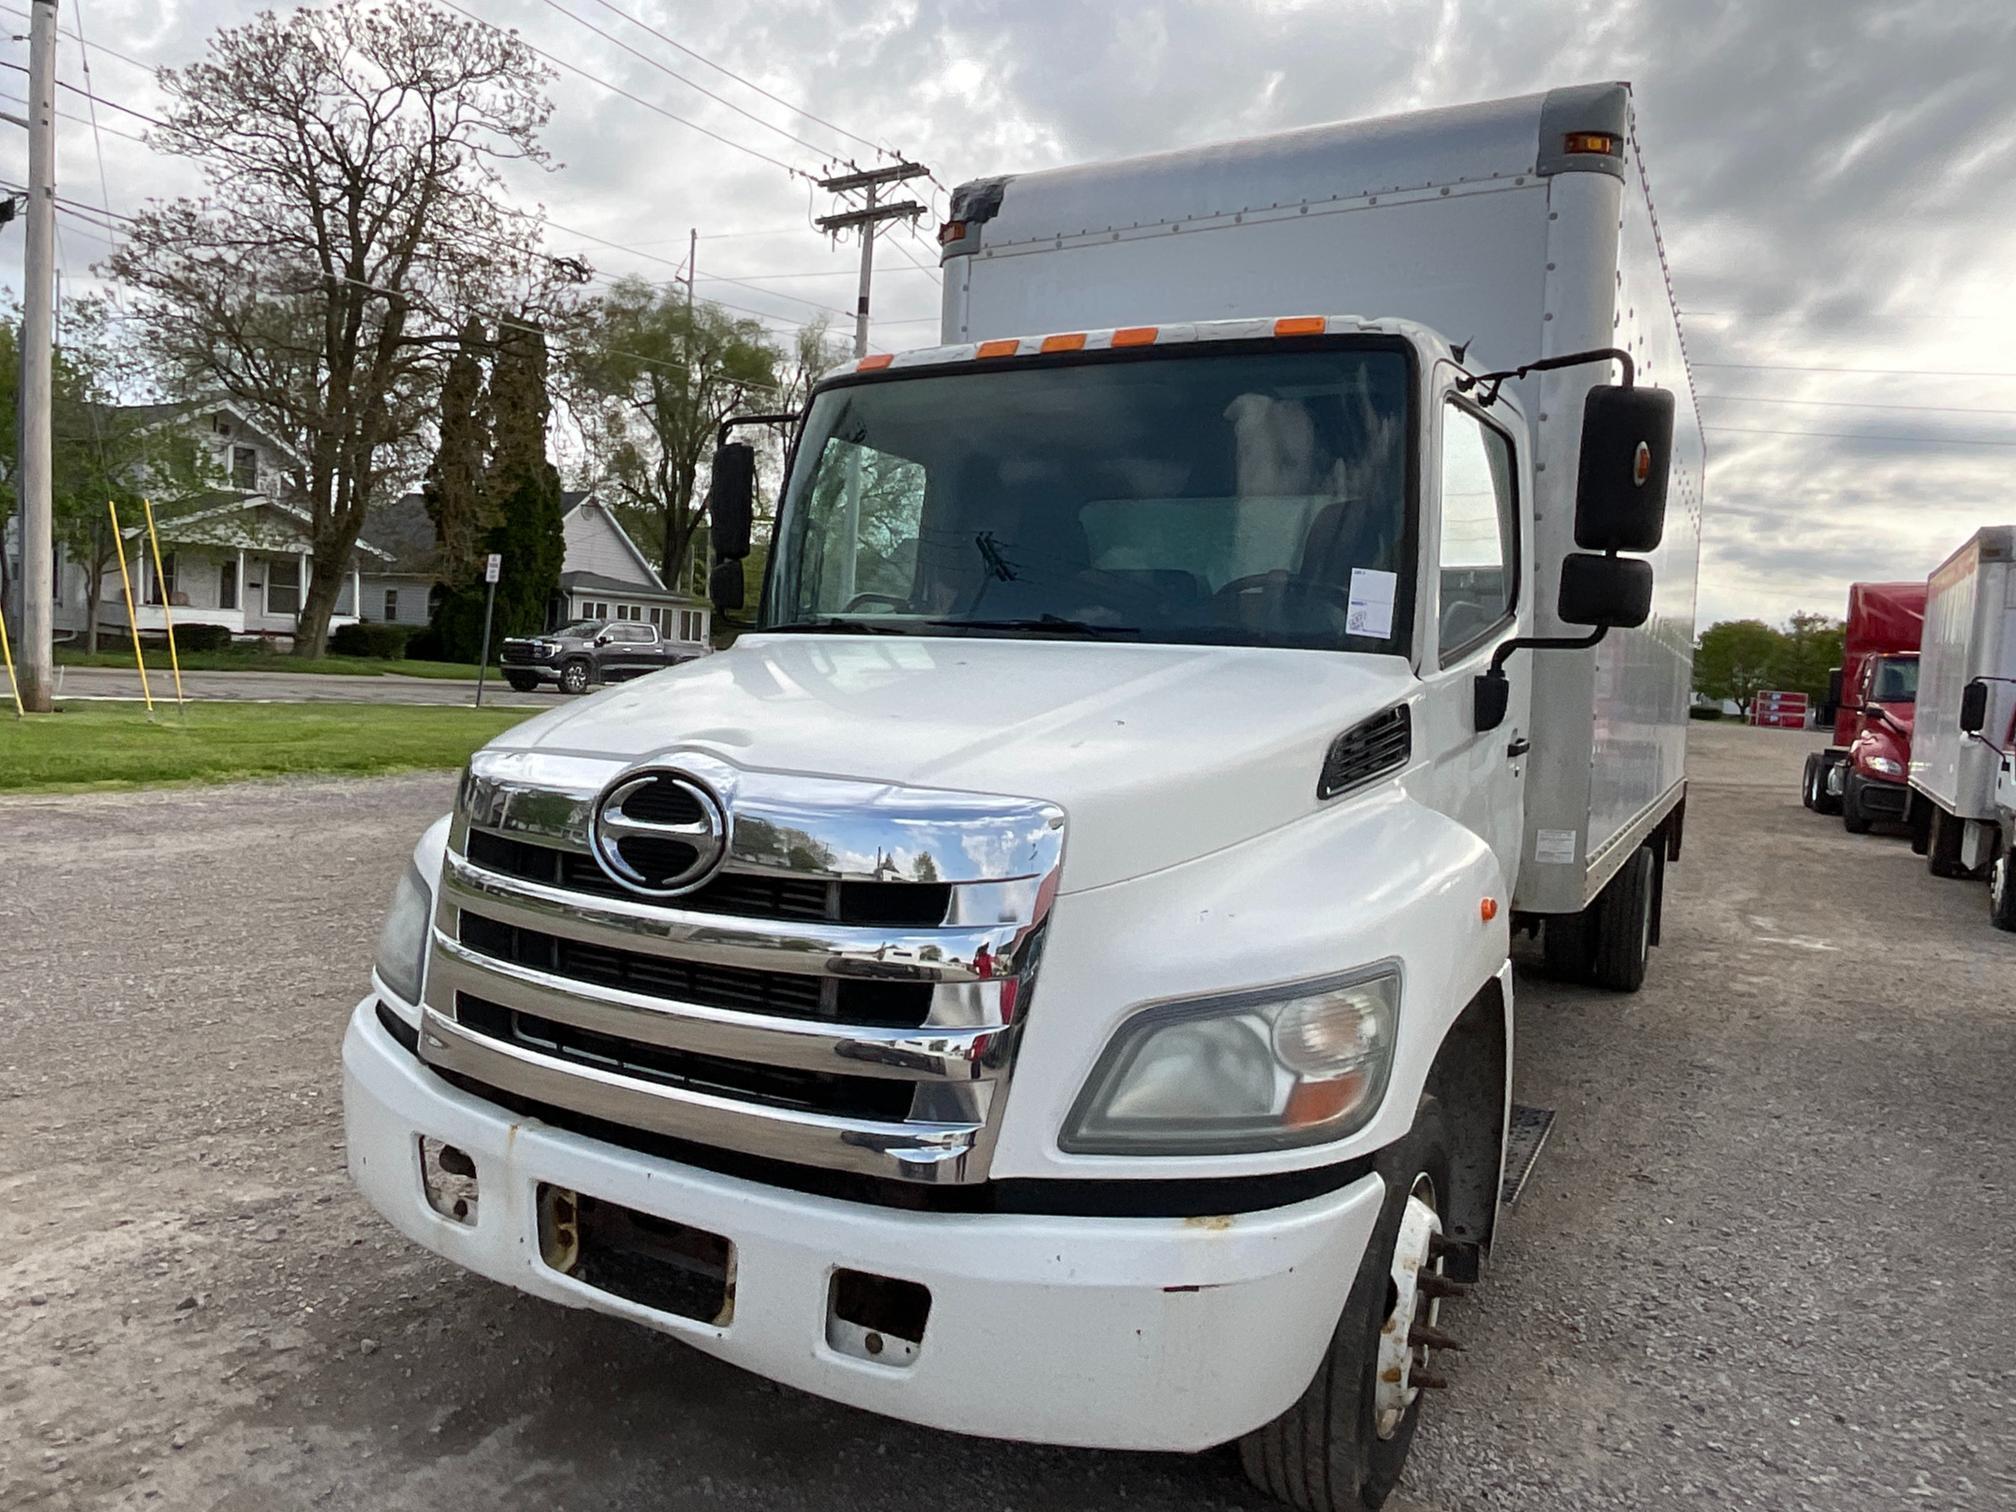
x=1871, y=700
x=1961, y=785
x=1051, y=979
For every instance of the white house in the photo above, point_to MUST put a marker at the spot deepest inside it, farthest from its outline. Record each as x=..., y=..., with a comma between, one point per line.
x=603, y=574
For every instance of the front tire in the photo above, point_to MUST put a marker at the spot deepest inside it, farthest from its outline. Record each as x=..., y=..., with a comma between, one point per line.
x=574, y=677
x=524, y=682
x=2002, y=890
x=1341, y=1447
x=1853, y=818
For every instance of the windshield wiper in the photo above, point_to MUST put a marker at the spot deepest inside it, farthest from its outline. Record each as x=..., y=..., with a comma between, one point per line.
x=842, y=627
x=1055, y=624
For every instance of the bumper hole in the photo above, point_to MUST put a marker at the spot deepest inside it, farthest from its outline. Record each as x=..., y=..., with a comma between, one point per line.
x=448, y=1176
x=876, y=1318
x=652, y=1261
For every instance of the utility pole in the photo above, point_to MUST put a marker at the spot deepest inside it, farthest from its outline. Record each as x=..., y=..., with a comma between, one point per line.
x=868, y=218
x=38, y=553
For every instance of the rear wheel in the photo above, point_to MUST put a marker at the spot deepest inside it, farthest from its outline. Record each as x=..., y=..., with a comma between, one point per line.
x=1942, y=851
x=1622, y=918
x=2002, y=890
x=1341, y=1447
x=1809, y=783
x=1565, y=946
x=574, y=677
x=1825, y=801
x=1853, y=819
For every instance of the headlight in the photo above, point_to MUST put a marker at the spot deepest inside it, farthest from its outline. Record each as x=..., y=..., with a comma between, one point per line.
x=402, y=943
x=1259, y=1070
x=1886, y=765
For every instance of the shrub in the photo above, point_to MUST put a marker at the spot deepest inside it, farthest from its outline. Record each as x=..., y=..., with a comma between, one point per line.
x=202, y=638
x=1704, y=711
x=424, y=645
x=371, y=639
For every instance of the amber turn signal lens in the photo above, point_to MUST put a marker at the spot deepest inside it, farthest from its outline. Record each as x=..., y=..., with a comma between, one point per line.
x=1488, y=910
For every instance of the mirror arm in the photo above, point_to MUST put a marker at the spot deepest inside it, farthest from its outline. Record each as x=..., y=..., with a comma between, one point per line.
x=1489, y=689
x=1498, y=380
x=727, y=425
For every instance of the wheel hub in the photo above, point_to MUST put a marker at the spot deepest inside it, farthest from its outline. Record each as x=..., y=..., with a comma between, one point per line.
x=1410, y=1331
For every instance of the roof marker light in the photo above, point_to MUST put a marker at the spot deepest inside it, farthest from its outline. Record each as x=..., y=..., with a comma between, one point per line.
x=1299, y=325
x=1071, y=341
x=951, y=231
x=1128, y=336
x=1007, y=348
x=870, y=364
x=1607, y=143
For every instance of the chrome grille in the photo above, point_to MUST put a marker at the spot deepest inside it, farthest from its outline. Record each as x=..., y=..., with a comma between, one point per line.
x=846, y=992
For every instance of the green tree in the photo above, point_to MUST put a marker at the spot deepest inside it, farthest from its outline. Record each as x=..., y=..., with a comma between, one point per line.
x=454, y=491
x=1811, y=650
x=656, y=381
x=1733, y=659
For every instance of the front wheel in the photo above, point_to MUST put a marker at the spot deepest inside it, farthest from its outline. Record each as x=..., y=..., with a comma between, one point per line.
x=524, y=682
x=1854, y=818
x=2002, y=891
x=1341, y=1447
x=574, y=677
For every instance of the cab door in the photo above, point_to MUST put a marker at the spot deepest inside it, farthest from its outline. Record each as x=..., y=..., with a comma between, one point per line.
x=1478, y=569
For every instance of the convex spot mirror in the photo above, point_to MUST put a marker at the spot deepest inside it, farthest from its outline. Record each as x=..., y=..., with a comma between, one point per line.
x=1613, y=592
x=1627, y=454
x=731, y=499
x=1973, y=707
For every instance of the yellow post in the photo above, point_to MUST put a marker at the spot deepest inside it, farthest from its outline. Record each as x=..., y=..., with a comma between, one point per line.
x=132, y=619
x=7, y=652
x=167, y=617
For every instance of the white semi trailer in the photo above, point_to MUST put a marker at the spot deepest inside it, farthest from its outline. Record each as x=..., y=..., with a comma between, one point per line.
x=1051, y=979
x=1963, y=746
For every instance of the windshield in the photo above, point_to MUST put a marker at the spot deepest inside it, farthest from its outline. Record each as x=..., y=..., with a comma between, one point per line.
x=1896, y=681
x=1215, y=496
x=581, y=629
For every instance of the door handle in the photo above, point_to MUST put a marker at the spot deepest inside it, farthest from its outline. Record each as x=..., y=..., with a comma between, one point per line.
x=1519, y=747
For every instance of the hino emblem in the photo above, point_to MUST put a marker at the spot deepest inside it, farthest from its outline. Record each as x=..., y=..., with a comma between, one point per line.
x=659, y=832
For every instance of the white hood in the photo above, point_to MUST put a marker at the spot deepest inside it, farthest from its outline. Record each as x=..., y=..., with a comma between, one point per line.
x=1156, y=753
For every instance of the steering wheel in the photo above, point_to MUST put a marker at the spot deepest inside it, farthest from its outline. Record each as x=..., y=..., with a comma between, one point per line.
x=893, y=600
x=1283, y=584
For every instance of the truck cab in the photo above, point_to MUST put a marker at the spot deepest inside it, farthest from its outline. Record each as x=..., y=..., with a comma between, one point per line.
x=1872, y=781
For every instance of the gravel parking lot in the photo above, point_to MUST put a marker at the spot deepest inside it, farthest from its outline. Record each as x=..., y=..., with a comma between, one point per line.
x=1763, y=1262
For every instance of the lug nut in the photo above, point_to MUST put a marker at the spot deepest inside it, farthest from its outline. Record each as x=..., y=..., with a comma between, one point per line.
x=1427, y=1381
x=1431, y=1338
x=1434, y=1284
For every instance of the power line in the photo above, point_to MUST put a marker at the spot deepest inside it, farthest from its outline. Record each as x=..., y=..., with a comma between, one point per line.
x=110, y=52
x=77, y=120
x=1737, y=430
x=87, y=94
x=1930, y=409
x=747, y=83
x=1786, y=367
x=675, y=74
x=97, y=141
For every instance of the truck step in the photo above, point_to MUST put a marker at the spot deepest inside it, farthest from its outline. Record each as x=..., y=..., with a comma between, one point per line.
x=1524, y=1141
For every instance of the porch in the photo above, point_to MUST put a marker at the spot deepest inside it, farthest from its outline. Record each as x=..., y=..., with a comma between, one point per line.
x=247, y=590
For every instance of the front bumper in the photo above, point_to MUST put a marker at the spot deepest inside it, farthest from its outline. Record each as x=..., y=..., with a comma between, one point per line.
x=1882, y=797
x=1121, y=1333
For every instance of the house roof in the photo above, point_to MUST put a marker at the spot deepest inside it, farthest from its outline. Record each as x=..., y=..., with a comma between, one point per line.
x=595, y=582
x=578, y=499
x=145, y=416
x=205, y=519
x=406, y=531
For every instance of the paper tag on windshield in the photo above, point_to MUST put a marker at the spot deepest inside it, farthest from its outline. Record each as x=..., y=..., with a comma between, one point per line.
x=1371, y=609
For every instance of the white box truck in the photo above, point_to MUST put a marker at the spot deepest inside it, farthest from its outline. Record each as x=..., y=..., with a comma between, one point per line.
x=1962, y=810
x=1051, y=978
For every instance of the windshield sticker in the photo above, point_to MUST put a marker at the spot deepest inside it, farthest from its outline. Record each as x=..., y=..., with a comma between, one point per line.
x=1371, y=608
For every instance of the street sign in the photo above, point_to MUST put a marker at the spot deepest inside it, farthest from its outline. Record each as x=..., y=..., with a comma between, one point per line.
x=493, y=568
x=1779, y=711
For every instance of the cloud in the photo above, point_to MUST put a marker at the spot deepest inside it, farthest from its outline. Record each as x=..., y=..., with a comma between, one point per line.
x=1833, y=179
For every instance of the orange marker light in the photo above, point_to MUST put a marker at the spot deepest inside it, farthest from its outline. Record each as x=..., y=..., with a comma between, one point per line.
x=870, y=364
x=998, y=348
x=1073, y=341
x=1488, y=910
x=1593, y=141
x=1299, y=325
x=1128, y=336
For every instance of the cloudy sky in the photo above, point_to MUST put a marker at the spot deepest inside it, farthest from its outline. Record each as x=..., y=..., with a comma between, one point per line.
x=1836, y=180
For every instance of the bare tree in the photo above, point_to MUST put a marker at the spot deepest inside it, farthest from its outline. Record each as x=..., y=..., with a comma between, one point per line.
x=353, y=220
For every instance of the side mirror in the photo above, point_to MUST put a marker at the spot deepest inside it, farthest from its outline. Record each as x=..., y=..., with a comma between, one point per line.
x=1612, y=592
x=731, y=499
x=724, y=586
x=1620, y=484
x=1974, y=707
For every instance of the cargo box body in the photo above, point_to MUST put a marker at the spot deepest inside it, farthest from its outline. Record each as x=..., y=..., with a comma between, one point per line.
x=1470, y=221
x=1970, y=632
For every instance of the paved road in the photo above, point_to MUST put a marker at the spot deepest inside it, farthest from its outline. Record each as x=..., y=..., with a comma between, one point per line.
x=1764, y=1263
x=288, y=687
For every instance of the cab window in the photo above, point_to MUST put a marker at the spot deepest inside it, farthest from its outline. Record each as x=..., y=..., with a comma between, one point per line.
x=1480, y=532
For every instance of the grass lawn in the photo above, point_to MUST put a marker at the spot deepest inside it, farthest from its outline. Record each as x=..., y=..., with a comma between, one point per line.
x=115, y=745
x=265, y=661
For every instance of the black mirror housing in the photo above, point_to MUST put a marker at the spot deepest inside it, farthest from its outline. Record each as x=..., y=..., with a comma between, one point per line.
x=1612, y=592
x=1973, y=707
x=724, y=586
x=731, y=499
x=1627, y=456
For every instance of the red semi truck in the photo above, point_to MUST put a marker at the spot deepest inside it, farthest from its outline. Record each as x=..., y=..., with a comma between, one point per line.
x=1873, y=697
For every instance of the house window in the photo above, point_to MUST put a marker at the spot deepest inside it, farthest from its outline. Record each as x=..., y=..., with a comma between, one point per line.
x=594, y=610
x=219, y=425
x=227, y=585
x=629, y=612
x=283, y=585
x=160, y=590
x=391, y=604
x=244, y=468
x=689, y=625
